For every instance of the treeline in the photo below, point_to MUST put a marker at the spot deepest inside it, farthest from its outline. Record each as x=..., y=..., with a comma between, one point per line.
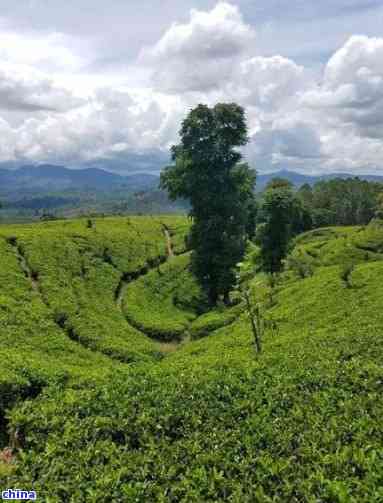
x=283, y=212
x=349, y=201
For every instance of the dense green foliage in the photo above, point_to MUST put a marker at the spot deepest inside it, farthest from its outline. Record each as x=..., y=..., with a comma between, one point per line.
x=168, y=304
x=212, y=421
x=150, y=303
x=284, y=212
x=340, y=201
x=379, y=207
x=206, y=171
x=281, y=215
x=59, y=313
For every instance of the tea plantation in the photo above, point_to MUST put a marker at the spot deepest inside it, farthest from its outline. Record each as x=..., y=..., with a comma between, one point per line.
x=118, y=384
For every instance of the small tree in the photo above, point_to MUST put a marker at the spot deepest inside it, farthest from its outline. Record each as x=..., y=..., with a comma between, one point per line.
x=254, y=310
x=256, y=320
x=299, y=265
x=346, y=272
x=274, y=227
x=280, y=216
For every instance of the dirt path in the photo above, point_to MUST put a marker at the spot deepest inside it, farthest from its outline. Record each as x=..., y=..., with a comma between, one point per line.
x=164, y=347
x=125, y=280
x=169, y=245
x=34, y=281
x=27, y=271
x=120, y=293
x=24, y=265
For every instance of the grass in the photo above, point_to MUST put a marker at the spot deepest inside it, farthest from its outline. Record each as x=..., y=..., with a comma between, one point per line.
x=214, y=421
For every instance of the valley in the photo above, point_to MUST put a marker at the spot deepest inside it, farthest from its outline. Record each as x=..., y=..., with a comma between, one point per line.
x=118, y=379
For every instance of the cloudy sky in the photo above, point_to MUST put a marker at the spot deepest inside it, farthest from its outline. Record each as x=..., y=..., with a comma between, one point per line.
x=107, y=83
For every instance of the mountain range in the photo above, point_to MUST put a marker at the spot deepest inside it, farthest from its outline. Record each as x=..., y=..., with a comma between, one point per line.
x=46, y=177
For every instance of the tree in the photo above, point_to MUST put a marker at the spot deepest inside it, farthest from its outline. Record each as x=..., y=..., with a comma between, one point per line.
x=279, y=183
x=349, y=201
x=305, y=194
x=301, y=217
x=379, y=208
x=252, y=212
x=207, y=171
x=281, y=216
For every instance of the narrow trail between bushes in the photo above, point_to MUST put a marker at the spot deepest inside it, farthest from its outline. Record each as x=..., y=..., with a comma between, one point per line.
x=126, y=279
x=164, y=347
x=169, y=244
x=34, y=281
x=120, y=293
x=25, y=266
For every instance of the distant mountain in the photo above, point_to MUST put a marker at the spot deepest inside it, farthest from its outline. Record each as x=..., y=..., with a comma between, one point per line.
x=51, y=178
x=48, y=177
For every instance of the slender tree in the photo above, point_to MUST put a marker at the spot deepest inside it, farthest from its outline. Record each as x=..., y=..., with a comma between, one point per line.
x=207, y=171
x=278, y=220
x=379, y=208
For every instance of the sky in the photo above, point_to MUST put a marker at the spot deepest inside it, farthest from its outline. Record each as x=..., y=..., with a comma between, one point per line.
x=96, y=83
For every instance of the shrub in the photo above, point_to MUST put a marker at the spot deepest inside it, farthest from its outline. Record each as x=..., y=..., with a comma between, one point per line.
x=300, y=267
x=346, y=272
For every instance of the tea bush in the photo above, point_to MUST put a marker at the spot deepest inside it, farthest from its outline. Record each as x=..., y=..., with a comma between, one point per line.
x=150, y=303
x=213, y=421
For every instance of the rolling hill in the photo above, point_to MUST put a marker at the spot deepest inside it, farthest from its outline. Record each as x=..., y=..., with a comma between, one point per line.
x=121, y=384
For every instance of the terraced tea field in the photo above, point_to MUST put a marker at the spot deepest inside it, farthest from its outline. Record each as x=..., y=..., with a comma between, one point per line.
x=119, y=384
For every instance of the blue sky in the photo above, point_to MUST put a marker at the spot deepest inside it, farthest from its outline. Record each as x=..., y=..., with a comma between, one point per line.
x=89, y=81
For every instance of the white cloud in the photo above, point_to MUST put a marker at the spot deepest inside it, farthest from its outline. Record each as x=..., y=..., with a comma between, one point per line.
x=202, y=54
x=51, y=51
x=269, y=82
x=23, y=88
x=352, y=89
x=334, y=123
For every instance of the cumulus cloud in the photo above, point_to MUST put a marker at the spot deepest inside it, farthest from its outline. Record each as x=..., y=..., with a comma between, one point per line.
x=352, y=89
x=330, y=124
x=52, y=50
x=269, y=82
x=202, y=54
x=114, y=124
x=25, y=89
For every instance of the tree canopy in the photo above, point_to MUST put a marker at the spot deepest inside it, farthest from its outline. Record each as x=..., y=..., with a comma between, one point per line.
x=350, y=201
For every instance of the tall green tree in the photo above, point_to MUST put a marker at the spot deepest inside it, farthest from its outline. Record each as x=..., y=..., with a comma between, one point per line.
x=305, y=194
x=379, y=207
x=207, y=171
x=281, y=215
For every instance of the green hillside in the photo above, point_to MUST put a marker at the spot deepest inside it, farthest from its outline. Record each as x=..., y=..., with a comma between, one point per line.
x=118, y=383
